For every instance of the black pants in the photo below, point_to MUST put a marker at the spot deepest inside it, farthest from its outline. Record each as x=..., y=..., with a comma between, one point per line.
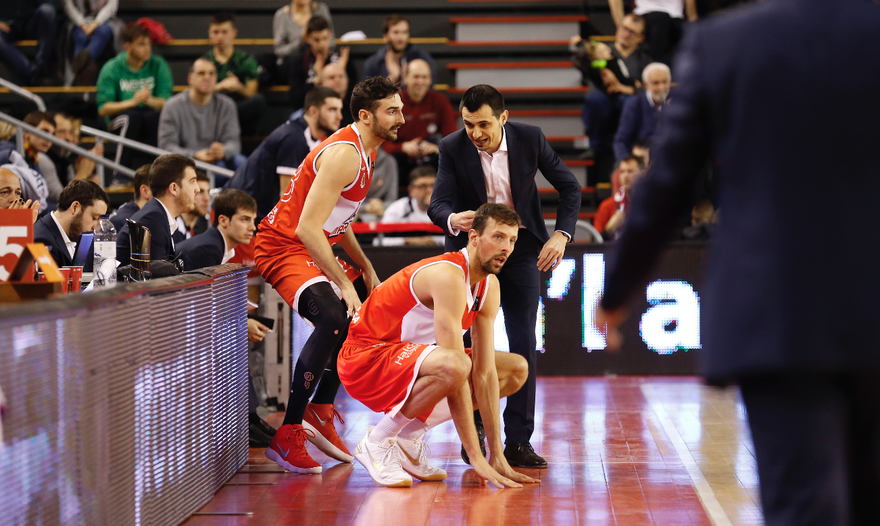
x=520, y=283
x=817, y=442
x=662, y=33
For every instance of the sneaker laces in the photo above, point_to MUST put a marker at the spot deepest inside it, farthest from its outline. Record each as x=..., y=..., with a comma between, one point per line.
x=390, y=456
x=337, y=416
x=302, y=435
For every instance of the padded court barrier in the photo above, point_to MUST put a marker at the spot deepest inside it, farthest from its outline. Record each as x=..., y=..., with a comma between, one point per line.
x=124, y=406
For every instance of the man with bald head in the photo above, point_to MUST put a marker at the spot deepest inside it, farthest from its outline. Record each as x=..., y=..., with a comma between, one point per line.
x=429, y=117
x=334, y=77
x=200, y=123
x=10, y=194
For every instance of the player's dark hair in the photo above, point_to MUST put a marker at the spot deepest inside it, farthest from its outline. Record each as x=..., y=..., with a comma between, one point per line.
x=500, y=213
x=367, y=94
x=167, y=169
x=230, y=201
x=480, y=95
x=133, y=32
x=222, y=17
x=391, y=21
x=316, y=96
x=315, y=24
x=141, y=177
x=424, y=170
x=202, y=176
x=82, y=191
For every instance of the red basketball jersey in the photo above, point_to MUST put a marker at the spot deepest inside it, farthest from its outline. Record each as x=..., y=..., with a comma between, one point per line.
x=393, y=313
x=280, y=225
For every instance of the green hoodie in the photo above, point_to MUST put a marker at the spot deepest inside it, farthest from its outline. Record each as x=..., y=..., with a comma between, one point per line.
x=117, y=82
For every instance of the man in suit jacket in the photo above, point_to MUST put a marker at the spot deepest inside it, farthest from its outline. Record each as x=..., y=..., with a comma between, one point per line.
x=638, y=120
x=174, y=187
x=492, y=160
x=792, y=321
x=142, y=194
x=80, y=207
x=234, y=215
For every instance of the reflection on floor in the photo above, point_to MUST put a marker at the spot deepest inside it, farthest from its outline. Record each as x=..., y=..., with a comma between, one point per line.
x=622, y=451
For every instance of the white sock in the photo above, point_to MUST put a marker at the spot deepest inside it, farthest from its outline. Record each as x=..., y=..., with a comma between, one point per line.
x=414, y=430
x=389, y=427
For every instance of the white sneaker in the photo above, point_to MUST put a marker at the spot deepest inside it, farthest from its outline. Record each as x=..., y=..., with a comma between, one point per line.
x=414, y=459
x=381, y=460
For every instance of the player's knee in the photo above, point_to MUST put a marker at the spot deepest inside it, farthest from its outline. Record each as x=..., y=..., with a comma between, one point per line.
x=455, y=367
x=519, y=371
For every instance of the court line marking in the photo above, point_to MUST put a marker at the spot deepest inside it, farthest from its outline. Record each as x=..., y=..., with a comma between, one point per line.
x=701, y=485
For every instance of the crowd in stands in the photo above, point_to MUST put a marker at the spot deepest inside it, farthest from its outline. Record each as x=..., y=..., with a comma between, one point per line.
x=627, y=93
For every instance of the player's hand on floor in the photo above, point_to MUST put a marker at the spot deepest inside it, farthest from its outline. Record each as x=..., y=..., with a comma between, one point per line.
x=500, y=465
x=488, y=475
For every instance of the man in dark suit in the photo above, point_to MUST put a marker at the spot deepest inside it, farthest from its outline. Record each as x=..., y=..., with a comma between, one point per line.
x=234, y=215
x=638, y=120
x=794, y=322
x=174, y=187
x=492, y=160
x=142, y=194
x=80, y=207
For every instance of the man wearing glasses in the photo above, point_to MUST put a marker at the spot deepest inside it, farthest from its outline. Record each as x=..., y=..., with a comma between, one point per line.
x=613, y=74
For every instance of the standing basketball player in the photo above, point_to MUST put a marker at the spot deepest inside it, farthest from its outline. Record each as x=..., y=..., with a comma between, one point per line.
x=405, y=355
x=293, y=254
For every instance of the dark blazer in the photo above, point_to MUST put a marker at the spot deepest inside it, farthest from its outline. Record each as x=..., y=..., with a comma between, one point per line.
x=785, y=292
x=461, y=186
x=154, y=217
x=125, y=211
x=638, y=120
x=46, y=231
x=203, y=250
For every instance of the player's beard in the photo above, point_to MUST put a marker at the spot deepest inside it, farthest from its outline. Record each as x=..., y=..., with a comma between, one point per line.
x=488, y=264
x=387, y=134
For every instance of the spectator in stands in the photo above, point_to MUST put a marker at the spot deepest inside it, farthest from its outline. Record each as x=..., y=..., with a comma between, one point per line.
x=10, y=194
x=307, y=66
x=611, y=81
x=383, y=188
x=81, y=205
x=640, y=150
x=33, y=185
x=269, y=169
x=391, y=60
x=133, y=87
x=610, y=216
x=91, y=33
x=142, y=194
x=174, y=187
x=663, y=23
x=67, y=165
x=20, y=19
x=414, y=208
x=234, y=215
x=429, y=117
x=202, y=124
x=290, y=23
x=194, y=222
x=640, y=115
x=237, y=72
x=703, y=219
x=334, y=77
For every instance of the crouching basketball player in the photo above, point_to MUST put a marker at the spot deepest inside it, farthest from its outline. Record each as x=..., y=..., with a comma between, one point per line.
x=405, y=357
x=294, y=255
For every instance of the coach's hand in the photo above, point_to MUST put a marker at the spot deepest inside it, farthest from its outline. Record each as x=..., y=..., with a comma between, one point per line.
x=462, y=221
x=552, y=252
x=608, y=323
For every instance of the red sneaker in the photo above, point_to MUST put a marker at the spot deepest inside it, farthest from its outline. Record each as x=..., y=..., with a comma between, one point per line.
x=288, y=450
x=319, y=420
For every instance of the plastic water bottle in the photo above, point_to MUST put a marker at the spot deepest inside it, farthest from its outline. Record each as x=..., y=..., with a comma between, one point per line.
x=105, y=253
